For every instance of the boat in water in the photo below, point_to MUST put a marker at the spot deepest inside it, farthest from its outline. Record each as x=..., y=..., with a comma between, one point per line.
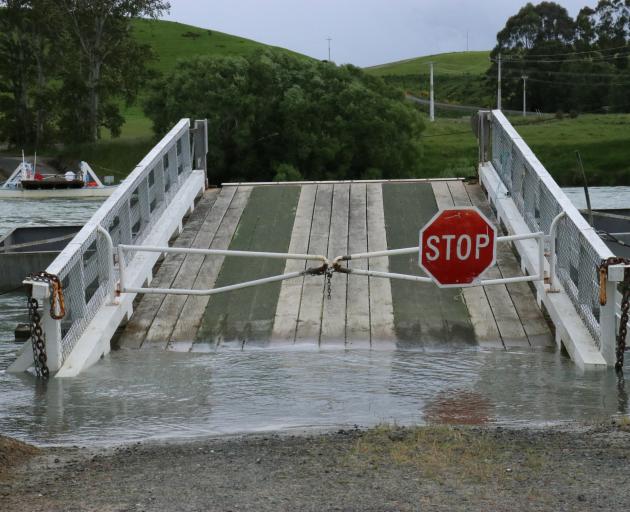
x=27, y=182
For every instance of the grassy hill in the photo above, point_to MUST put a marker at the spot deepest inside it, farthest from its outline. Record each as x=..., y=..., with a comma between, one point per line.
x=459, y=76
x=456, y=63
x=171, y=41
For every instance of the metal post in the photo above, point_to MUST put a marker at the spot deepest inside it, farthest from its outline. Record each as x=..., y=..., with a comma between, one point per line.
x=524, y=77
x=553, y=231
x=200, y=146
x=109, y=257
x=431, y=96
x=499, y=86
x=484, y=129
x=50, y=327
x=329, y=41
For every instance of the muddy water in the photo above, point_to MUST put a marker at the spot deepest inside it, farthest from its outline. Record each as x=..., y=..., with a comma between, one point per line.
x=139, y=395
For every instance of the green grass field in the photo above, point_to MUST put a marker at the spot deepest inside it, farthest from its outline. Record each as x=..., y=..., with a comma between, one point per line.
x=602, y=140
x=450, y=148
x=457, y=63
x=171, y=41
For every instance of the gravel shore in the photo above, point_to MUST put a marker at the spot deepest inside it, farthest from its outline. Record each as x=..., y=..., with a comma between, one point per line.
x=380, y=469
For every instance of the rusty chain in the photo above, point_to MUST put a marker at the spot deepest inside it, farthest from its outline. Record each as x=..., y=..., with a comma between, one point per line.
x=57, y=312
x=39, y=346
x=625, y=304
x=57, y=302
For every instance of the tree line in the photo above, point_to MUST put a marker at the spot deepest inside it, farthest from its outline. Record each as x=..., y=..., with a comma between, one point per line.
x=67, y=67
x=572, y=64
x=277, y=116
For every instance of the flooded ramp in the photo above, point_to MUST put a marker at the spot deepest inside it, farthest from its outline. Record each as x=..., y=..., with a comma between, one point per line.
x=331, y=219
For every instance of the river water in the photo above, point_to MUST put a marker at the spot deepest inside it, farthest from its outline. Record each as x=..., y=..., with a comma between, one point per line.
x=137, y=395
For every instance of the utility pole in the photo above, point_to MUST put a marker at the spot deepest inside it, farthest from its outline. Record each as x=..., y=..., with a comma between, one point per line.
x=467, y=40
x=431, y=96
x=329, y=41
x=499, y=86
x=524, y=77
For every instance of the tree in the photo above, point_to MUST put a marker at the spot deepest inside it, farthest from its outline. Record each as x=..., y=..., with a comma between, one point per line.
x=274, y=115
x=16, y=66
x=109, y=60
x=571, y=64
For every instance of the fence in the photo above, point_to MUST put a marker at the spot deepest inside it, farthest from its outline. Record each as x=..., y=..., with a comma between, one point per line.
x=578, y=249
x=128, y=215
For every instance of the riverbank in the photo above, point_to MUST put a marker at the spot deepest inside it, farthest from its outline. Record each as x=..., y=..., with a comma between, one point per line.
x=432, y=468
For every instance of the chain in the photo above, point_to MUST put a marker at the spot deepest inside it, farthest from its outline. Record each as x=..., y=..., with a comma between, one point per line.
x=329, y=273
x=39, y=346
x=623, y=327
x=57, y=302
x=57, y=312
x=625, y=304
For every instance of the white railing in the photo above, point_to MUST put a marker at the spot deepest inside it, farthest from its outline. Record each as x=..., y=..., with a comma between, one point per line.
x=85, y=266
x=576, y=251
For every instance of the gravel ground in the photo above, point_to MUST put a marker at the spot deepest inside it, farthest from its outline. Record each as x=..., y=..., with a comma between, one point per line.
x=381, y=469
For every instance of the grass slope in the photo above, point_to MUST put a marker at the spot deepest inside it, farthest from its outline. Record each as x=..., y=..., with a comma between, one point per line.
x=171, y=41
x=456, y=63
x=450, y=149
x=460, y=77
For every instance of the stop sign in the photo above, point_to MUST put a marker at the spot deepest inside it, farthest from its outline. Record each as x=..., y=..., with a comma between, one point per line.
x=457, y=246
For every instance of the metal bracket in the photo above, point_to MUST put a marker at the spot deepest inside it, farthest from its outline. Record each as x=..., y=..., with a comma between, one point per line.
x=38, y=290
x=616, y=273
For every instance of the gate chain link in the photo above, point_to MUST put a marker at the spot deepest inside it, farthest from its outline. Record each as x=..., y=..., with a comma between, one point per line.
x=57, y=312
x=329, y=273
x=39, y=346
x=57, y=302
x=625, y=304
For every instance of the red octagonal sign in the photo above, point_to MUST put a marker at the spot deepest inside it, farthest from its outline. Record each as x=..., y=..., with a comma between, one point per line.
x=457, y=246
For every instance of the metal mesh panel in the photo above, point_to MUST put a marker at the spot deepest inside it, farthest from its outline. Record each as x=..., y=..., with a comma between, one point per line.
x=128, y=216
x=577, y=258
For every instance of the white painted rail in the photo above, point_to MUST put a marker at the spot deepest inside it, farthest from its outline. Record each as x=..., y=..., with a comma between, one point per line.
x=152, y=199
x=526, y=198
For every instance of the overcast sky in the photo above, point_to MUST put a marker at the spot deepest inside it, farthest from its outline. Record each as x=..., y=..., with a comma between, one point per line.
x=363, y=32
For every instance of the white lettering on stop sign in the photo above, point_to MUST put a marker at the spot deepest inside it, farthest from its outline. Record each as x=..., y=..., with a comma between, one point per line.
x=457, y=246
x=465, y=245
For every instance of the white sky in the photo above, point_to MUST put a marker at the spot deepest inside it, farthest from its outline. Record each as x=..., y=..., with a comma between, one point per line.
x=364, y=32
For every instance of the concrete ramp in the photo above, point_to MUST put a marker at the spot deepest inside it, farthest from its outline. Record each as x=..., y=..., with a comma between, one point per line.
x=331, y=218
